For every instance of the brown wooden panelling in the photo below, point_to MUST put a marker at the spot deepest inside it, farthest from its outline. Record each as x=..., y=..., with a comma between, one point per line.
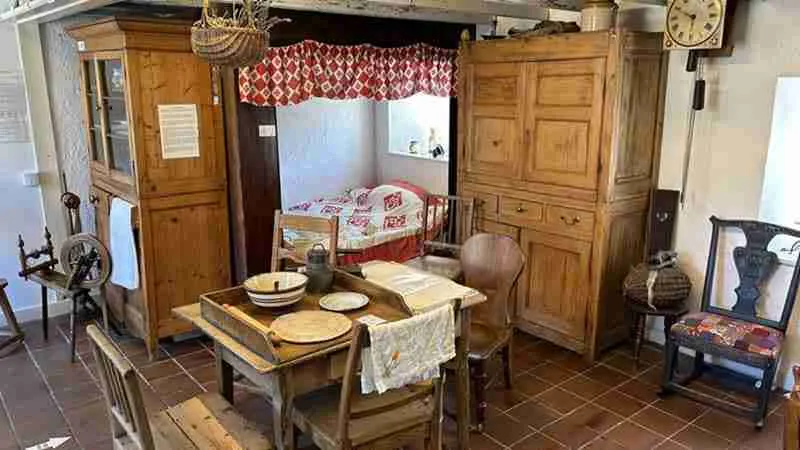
x=256, y=191
x=494, y=119
x=577, y=191
x=638, y=125
x=158, y=85
x=625, y=248
x=545, y=48
x=195, y=227
x=555, y=284
x=562, y=128
x=181, y=210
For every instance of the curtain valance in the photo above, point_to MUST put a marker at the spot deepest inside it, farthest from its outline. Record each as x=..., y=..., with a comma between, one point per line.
x=296, y=73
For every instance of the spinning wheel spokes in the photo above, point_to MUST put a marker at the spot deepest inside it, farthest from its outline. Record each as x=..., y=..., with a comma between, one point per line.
x=86, y=261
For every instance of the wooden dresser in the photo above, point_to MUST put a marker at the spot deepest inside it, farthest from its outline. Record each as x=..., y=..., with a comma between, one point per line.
x=128, y=68
x=559, y=143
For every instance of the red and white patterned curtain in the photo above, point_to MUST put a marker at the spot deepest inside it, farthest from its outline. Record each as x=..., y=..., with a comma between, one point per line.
x=296, y=73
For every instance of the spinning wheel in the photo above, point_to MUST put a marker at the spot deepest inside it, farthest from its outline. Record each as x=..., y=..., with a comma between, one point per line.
x=86, y=261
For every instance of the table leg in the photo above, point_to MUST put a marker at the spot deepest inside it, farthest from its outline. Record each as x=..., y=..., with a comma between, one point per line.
x=224, y=374
x=462, y=381
x=639, y=323
x=282, y=413
x=44, y=312
x=669, y=321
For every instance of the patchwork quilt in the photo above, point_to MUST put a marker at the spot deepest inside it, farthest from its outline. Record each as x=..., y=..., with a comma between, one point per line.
x=367, y=216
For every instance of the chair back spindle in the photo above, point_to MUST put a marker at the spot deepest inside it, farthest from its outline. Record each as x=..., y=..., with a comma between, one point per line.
x=121, y=392
x=320, y=225
x=447, y=221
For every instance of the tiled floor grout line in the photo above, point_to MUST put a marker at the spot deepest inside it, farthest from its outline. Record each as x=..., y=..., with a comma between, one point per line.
x=11, y=425
x=82, y=362
x=52, y=394
x=562, y=415
x=186, y=371
x=533, y=433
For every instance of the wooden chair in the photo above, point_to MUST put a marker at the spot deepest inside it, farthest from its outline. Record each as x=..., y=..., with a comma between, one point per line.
x=453, y=222
x=340, y=417
x=14, y=333
x=324, y=226
x=492, y=264
x=204, y=422
x=738, y=334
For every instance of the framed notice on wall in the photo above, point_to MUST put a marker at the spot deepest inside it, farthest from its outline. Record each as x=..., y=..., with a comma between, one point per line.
x=13, y=108
x=180, y=134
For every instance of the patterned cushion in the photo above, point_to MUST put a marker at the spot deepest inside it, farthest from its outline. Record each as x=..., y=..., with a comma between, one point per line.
x=729, y=338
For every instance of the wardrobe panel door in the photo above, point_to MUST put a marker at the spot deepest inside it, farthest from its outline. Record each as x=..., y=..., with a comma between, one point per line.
x=554, y=286
x=494, y=119
x=563, y=120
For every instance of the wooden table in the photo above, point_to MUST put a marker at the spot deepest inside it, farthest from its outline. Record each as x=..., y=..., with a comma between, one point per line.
x=290, y=370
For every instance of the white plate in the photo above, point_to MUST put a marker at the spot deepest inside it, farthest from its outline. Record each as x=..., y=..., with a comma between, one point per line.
x=343, y=301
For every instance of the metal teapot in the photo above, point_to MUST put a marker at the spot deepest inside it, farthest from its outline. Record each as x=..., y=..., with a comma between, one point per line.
x=319, y=272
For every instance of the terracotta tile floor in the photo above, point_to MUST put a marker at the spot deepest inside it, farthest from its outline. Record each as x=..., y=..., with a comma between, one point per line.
x=558, y=401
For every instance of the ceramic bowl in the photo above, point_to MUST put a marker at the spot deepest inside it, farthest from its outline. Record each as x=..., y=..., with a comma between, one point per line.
x=263, y=291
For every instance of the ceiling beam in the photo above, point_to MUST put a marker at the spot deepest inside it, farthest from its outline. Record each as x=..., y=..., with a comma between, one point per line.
x=49, y=10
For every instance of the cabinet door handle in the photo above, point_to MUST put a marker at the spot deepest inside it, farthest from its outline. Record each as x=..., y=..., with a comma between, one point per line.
x=93, y=199
x=571, y=221
x=520, y=209
x=497, y=142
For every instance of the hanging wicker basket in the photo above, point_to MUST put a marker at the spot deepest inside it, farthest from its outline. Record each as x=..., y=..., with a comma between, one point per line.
x=229, y=46
x=234, y=40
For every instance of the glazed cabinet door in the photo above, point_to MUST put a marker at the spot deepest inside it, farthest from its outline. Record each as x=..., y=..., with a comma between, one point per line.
x=493, y=113
x=553, y=290
x=563, y=121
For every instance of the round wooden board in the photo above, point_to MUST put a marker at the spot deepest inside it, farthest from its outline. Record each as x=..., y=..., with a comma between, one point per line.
x=310, y=327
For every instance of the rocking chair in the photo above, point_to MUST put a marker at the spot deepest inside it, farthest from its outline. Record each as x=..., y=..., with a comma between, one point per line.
x=738, y=334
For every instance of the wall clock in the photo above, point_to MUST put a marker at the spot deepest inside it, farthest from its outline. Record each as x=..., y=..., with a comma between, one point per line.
x=695, y=24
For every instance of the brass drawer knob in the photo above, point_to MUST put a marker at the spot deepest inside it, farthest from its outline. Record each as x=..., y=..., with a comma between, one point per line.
x=571, y=220
x=520, y=209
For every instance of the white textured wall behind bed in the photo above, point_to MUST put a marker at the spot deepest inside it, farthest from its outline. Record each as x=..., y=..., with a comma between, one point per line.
x=325, y=146
x=429, y=174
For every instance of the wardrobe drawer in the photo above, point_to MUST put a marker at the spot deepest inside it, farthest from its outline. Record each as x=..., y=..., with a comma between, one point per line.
x=518, y=211
x=490, y=226
x=570, y=220
x=485, y=204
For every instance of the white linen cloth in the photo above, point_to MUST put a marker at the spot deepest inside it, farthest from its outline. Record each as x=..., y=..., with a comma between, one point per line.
x=408, y=351
x=125, y=267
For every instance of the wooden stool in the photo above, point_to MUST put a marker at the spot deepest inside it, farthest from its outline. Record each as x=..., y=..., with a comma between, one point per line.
x=640, y=313
x=15, y=334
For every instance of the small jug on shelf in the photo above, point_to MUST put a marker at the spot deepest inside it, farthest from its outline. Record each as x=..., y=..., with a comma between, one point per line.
x=319, y=272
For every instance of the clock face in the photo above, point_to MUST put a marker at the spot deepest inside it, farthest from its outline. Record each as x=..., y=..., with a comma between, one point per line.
x=691, y=23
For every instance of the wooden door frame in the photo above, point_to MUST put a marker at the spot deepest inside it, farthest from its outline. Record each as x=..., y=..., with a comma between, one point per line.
x=253, y=163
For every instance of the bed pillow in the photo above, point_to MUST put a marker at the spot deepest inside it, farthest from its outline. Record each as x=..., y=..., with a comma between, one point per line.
x=418, y=190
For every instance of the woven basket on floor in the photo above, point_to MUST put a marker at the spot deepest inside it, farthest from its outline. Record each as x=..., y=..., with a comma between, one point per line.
x=670, y=289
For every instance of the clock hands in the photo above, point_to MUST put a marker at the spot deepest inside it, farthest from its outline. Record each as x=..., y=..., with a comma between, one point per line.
x=691, y=16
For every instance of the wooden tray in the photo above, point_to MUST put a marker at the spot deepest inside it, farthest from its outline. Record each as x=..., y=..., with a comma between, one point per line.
x=231, y=311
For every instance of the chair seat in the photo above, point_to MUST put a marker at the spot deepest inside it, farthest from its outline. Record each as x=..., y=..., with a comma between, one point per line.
x=438, y=265
x=738, y=340
x=207, y=421
x=485, y=340
x=316, y=413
